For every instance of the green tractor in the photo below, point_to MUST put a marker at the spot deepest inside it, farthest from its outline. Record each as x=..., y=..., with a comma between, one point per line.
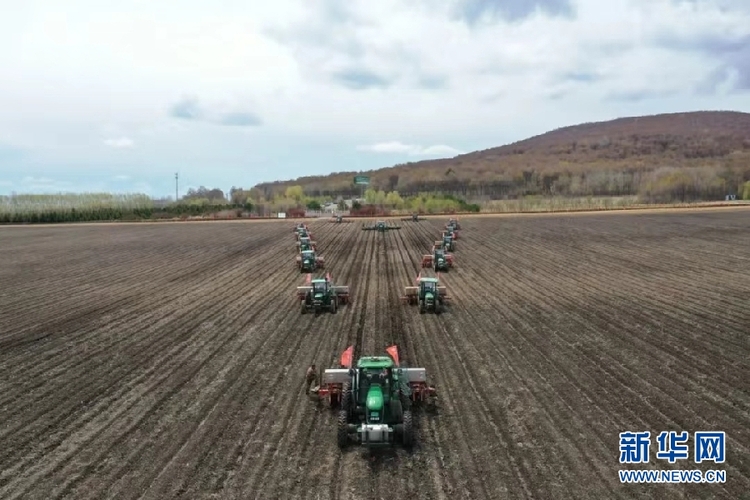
x=428, y=294
x=439, y=260
x=306, y=243
x=447, y=243
x=453, y=223
x=375, y=399
x=339, y=219
x=303, y=233
x=308, y=261
x=381, y=226
x=321, y=294
x=413, y=218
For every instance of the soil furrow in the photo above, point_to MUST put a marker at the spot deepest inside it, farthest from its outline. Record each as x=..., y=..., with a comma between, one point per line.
x=167, y=360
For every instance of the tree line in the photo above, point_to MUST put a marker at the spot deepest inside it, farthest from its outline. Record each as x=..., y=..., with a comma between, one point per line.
x=661, y=184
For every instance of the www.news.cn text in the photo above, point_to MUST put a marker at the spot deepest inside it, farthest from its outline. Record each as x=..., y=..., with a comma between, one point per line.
x=672, y=476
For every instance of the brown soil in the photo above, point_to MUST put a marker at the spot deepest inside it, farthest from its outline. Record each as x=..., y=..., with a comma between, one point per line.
x=165, y=361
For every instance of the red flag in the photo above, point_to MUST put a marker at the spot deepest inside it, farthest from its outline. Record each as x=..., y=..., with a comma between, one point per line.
x=393, y=352
x=346, y=357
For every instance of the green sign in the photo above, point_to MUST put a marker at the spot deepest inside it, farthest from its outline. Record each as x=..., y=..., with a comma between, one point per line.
x=362, y=180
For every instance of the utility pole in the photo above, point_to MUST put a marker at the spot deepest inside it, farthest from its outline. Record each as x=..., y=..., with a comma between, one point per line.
x=176, y=190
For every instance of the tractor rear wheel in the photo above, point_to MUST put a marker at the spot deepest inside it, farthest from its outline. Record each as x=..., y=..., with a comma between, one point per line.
x=438, y=307
x=397, y=409
x=407, y=437
x=421, y=307
x=334, y=305
x=342, y=435
x=303, y=309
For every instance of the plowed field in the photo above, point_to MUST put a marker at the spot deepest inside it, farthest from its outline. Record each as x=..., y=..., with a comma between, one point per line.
x=167, y=360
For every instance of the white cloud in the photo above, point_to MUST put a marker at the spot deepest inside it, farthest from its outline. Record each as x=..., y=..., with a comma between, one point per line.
x=333, y=74
x=120, y=143
x=396, y=147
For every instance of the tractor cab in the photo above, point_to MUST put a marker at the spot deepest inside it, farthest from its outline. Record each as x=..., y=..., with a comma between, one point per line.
x=339, y=219
x=448, y=241
x=439, y=260
x=321, y=294
x=320, y=287
x=380, y=226
x=427, y=286
x=307, y=260
x=452, y=231
x=377, y=384
x=429, y=296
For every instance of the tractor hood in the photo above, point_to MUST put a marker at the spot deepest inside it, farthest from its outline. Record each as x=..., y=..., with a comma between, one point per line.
x=375, y=398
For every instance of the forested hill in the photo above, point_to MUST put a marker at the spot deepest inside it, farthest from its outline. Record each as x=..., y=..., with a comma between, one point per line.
x=689, y=155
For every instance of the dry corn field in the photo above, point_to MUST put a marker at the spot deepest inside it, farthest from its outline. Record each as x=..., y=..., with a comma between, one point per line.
x=167, y=360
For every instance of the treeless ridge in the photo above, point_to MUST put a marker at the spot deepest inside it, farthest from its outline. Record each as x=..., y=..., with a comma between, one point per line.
x=167, y=360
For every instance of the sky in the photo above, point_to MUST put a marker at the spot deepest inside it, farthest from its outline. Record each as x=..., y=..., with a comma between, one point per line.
x=118, y=96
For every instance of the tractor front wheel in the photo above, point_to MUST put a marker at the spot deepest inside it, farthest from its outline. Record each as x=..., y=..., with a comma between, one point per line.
x=407, y=437
x=346, y=399
x=342, y=435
